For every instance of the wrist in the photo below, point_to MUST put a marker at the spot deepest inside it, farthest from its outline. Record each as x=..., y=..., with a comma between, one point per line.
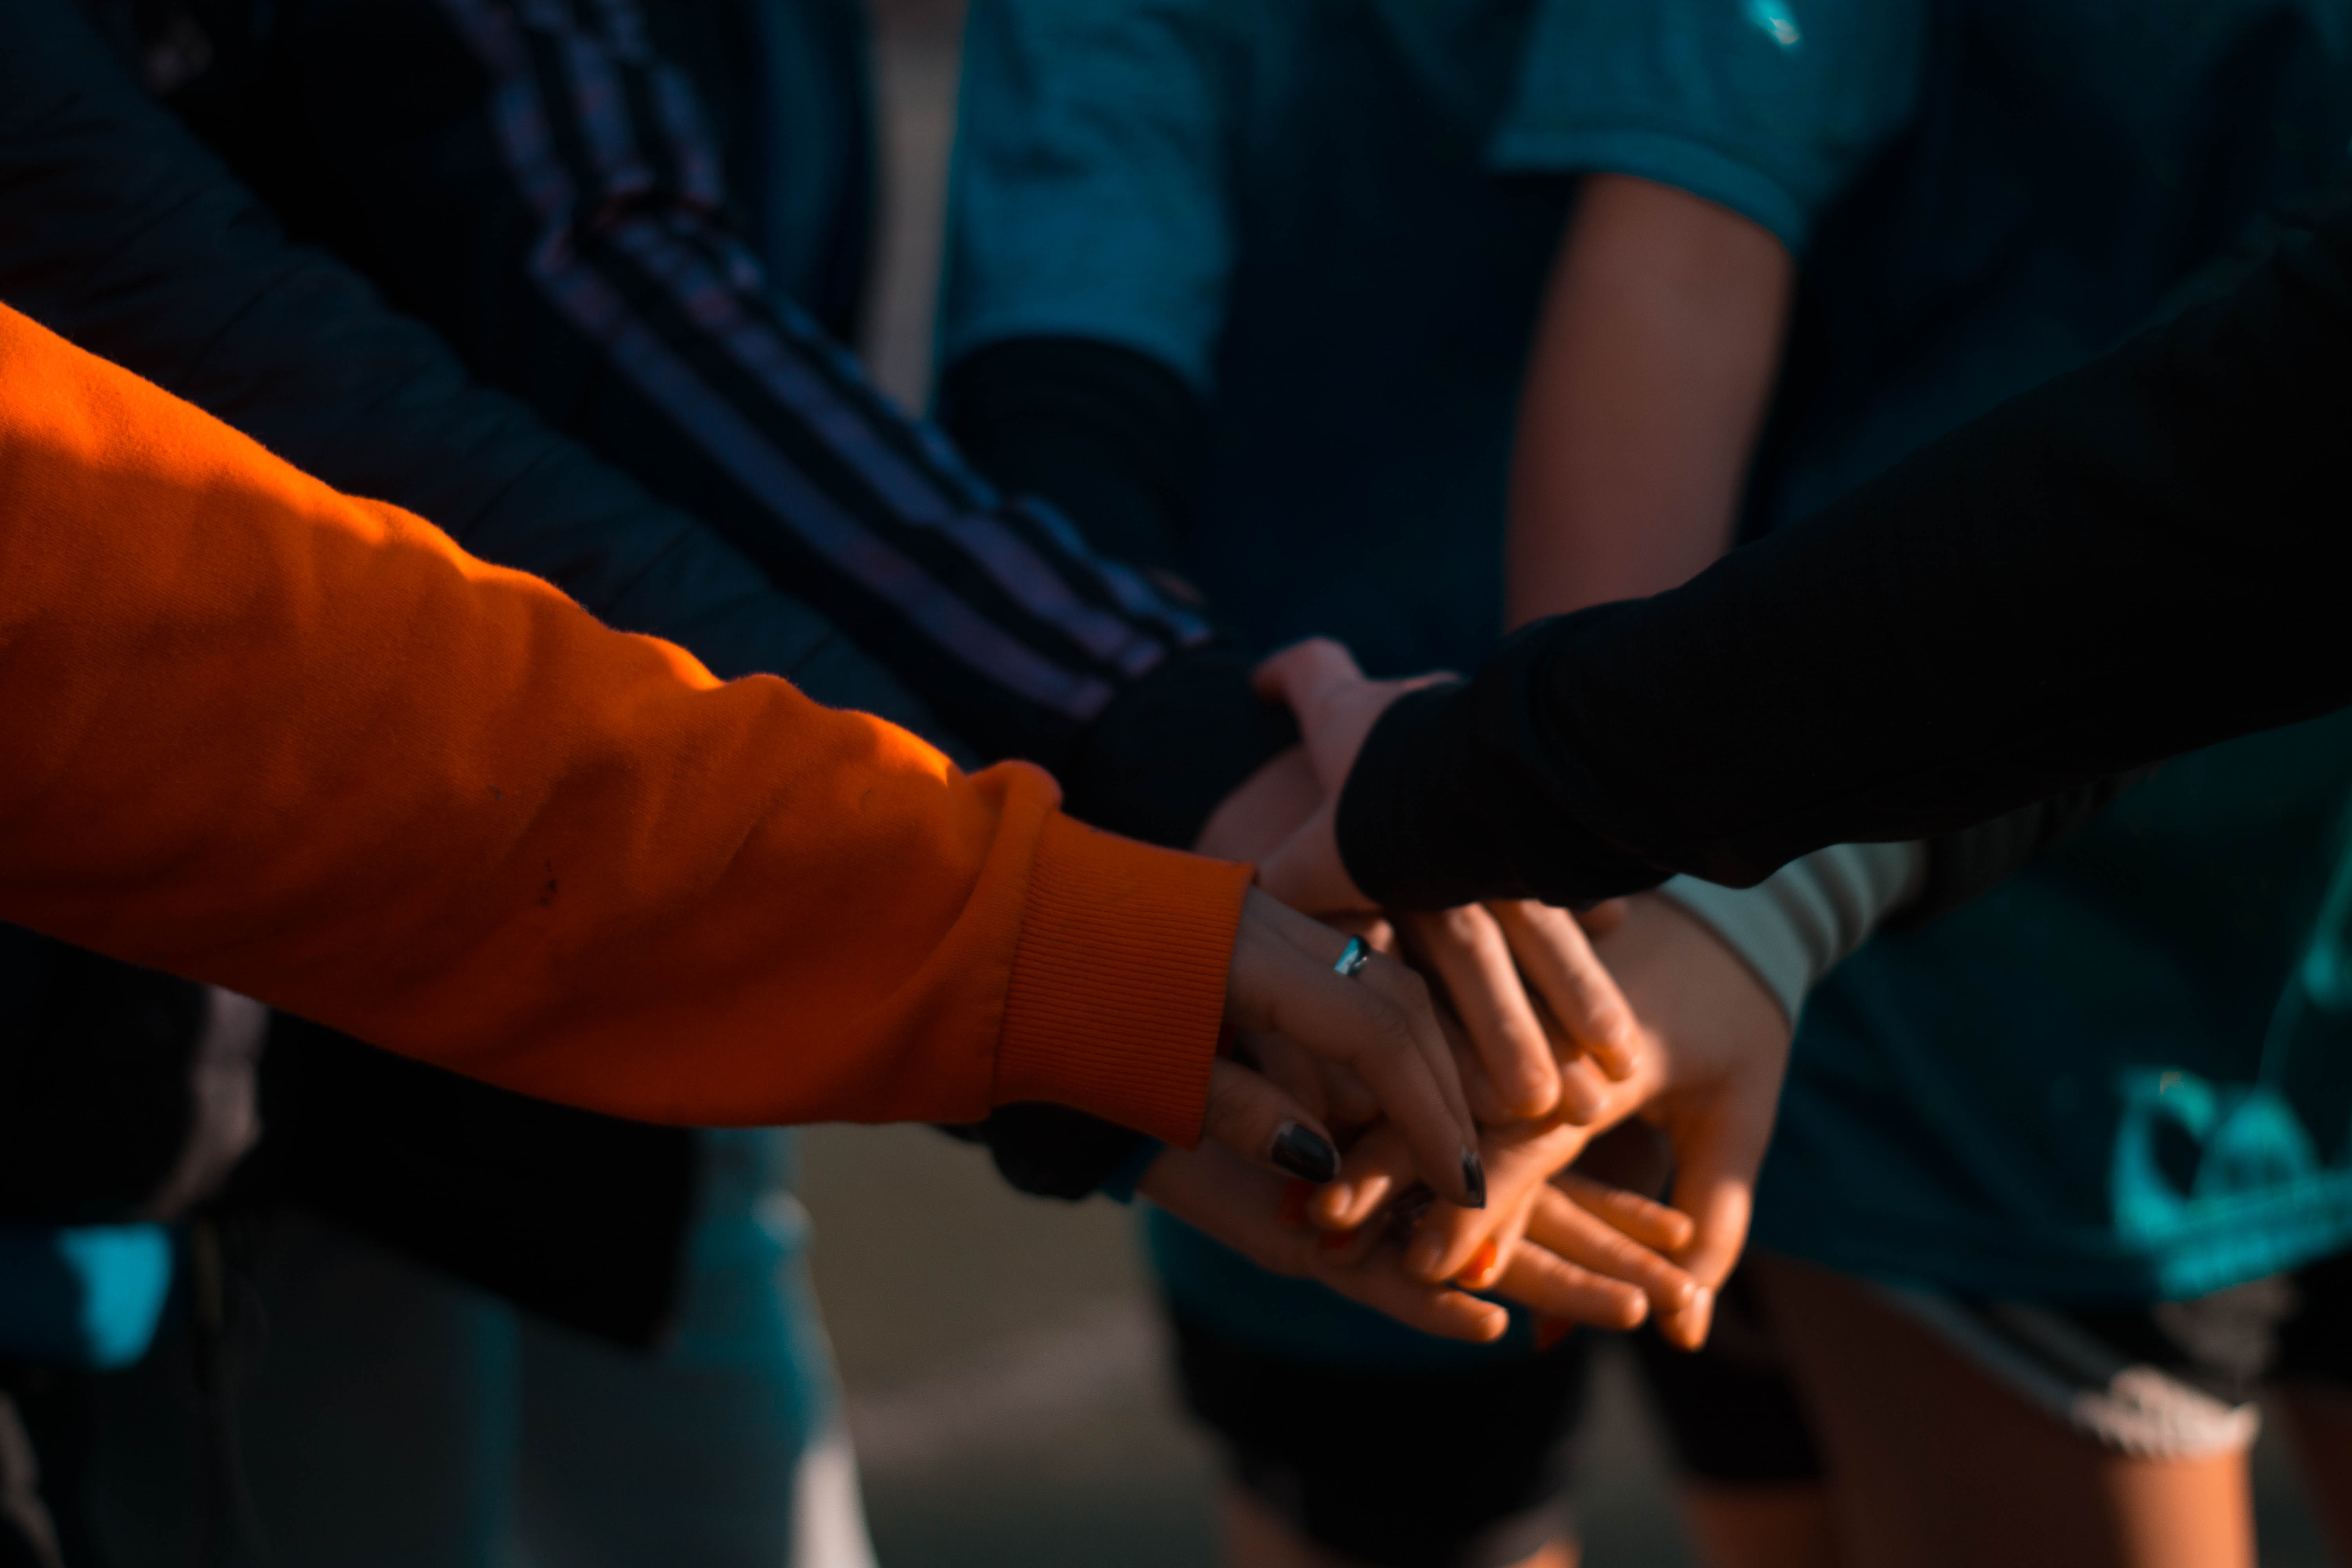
x=1792, y=929
x=1118, y=990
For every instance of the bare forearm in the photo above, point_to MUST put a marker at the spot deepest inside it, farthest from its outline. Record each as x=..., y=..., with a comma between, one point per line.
x=1646, y=387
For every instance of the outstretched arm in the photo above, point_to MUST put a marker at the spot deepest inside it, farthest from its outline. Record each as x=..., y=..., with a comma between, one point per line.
x=266, y=734
x=2143, y=557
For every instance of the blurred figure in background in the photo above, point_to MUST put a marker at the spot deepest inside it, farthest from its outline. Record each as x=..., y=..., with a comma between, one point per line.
x=530, y=1321
x=126, y=1097
x=1404, y=327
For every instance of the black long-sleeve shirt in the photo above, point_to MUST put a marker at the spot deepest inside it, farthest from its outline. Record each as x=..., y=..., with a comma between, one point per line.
x=2142, y=557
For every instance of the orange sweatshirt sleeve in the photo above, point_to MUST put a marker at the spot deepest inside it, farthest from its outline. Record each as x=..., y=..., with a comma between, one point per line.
x=264, y=734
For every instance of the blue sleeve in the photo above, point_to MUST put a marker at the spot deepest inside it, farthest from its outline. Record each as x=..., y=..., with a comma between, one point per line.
x=1767, y=107
x=1089, y=196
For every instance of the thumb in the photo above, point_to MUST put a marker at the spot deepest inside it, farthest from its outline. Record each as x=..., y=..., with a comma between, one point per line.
x=1333, y=703
x=1298, y=674
x=1716, y=1156
x=1304, y=870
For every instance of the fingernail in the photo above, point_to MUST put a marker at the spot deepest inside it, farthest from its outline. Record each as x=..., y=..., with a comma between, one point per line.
x=1482, y=1263
x=1294, y=1203
x=1550, y=1331
x=1335, y=1240
x=1305, y=1152
x=1422, y=1258
x=1691, y=1323
x=1474, y=1178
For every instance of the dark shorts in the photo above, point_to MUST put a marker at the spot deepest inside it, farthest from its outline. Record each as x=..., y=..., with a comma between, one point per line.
x=1471, y=1467
x=1467, y=1468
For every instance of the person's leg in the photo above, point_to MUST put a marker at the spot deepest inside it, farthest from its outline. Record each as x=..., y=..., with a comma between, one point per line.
x=2319, y=1418
x=2314, y=1389
x=379, y=1427
x=724, y=1448
x=1341, y=1465
x=1785, y=1524
x=1747, y=1472
x=1254, y=1536
x=1933, y=1461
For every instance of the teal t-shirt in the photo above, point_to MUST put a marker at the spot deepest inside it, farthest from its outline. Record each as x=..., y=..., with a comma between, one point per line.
x=1334, y=219
x=2124, y=1075
x=2107, y=1080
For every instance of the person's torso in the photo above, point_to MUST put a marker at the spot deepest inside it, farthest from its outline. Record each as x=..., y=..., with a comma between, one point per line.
x=2078, y=1086
x=2067, y=169
x=1376, y=329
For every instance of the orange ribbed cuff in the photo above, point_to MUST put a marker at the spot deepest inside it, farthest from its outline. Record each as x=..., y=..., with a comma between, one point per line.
x=1119, y=984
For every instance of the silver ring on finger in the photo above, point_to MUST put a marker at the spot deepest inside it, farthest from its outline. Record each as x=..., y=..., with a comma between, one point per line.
x=1354, y=957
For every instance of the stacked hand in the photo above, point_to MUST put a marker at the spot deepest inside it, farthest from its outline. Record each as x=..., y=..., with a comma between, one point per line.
x=1558, y=1039
x=1713, y=1047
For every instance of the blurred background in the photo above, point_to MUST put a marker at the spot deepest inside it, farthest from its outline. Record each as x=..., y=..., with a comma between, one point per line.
x=1003, y=1355
x=1007, y=1382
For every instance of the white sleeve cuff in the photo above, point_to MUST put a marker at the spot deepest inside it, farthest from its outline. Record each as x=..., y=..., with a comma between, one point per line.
x=1793, y=927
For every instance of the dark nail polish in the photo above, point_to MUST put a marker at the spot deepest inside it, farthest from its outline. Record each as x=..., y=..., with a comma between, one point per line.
x=1405, y=1214
x=1474, y=1176
x=1304, y=1153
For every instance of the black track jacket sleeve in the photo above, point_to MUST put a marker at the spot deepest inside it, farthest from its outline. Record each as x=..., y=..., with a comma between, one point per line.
x=2140, y=557
x=780, y=503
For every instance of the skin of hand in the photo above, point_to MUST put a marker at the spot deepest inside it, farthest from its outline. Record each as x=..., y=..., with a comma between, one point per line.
x=1262, y=1216
x=1651, y=366
x=1487, y=958
x=1523, y=980
x=1301, y=1023
x=1380, y=1025
x=1715, y=1049
x=1574, y=1250
x=1220, y=1190
x=1336, y=705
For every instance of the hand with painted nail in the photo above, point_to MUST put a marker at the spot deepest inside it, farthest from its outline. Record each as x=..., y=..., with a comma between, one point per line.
x=1498, y=964
x=1263, y=1217
x=1713, y=1050
x=1369, y=1015
x=1574, y=1248
x=1276, y=1096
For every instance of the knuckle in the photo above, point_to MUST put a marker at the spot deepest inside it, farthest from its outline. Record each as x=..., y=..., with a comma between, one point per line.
x=1412, y=991
x=1463, y=922
x=1393, y=1031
